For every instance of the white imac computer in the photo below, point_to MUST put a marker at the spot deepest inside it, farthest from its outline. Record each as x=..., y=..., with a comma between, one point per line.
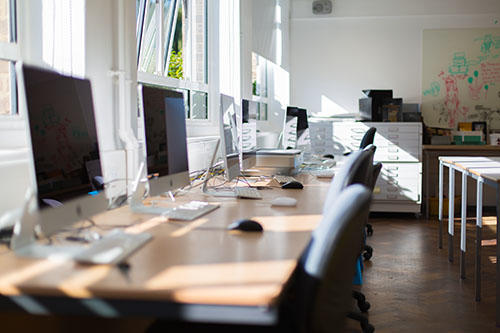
x=229, y=138
x=64, y=143
x=230, y=143
x=296, y=128
x=66, y=163
x=164, y=115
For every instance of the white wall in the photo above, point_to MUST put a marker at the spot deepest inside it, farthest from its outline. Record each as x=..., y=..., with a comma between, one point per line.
x=334, y=57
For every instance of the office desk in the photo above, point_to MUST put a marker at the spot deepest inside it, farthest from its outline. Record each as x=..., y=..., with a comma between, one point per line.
x=194, y=271
x=431, y=154
x=486, y=170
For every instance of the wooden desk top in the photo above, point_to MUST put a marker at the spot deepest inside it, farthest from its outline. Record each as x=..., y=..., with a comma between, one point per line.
x=196, y=262
x=486, y=167
x=461, y=147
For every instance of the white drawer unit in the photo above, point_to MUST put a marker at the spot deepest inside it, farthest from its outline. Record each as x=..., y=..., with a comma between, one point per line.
x=399, y=148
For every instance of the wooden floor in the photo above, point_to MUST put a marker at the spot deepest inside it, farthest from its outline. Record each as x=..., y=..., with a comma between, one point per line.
x=413, y=288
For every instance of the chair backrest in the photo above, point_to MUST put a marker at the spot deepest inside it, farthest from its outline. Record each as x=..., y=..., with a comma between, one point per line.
x=368, y=138
x=356, y=169
x=377, y=167
x=321, y=285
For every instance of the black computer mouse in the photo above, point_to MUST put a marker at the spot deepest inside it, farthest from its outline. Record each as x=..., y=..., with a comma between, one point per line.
x=330, y=156
x=246, y=225
x=293, y=184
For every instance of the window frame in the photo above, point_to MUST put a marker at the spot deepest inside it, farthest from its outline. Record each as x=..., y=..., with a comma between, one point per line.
x=259, y=98
x=160, y=78
x=10, y=51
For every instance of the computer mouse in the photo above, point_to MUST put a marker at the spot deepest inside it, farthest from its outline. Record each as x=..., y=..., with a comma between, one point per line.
x=246, y=225
x=284, y=201
x=293, y=184
x=330, y=156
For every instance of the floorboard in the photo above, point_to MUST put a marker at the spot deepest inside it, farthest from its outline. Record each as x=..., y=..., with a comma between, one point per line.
x=413, y=288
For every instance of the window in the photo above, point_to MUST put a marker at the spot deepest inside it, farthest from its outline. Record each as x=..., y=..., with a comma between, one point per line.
x=172, y=49
x=9, y=53
x=260, y=68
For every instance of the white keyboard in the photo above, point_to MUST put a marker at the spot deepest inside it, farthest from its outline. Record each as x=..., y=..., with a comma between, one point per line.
x=190, y=211
x=284, y=179
x=324, y=173
x=247, y=193
x=113, y=248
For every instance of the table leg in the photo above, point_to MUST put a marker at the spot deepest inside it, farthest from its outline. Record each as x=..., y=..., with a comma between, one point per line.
x=463, y=225
x=426, y=170
x=451, y=213
x=498, y=260
x=440, y=214
x=479, y=227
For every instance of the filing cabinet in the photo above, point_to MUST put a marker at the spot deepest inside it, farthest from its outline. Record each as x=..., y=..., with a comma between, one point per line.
x=399, y=148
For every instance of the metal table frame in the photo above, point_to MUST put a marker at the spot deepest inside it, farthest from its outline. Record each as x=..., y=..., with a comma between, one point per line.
x=479, y=224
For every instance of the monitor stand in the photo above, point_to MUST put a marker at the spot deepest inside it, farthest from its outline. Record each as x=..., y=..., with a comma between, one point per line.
x=205, y=188
x=139, y=189
x=23, y=241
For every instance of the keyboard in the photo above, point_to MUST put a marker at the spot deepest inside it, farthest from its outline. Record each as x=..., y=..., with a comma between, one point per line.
x=113, y=248
x=190, y=211
x=284, y=179
x=247, y=193
x=324, y=173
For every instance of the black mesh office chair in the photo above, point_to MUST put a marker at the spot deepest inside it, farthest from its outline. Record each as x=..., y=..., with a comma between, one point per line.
x=317, y=297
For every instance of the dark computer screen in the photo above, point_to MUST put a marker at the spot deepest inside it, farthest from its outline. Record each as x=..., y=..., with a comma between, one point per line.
x=248, y=110
x=165, y=128
x=63, y=134
x=301, y=115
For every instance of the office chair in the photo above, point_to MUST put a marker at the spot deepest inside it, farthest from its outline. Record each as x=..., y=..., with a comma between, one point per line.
x=317, y=297
x=368, y=138
x=377, y=167
x=358, y=168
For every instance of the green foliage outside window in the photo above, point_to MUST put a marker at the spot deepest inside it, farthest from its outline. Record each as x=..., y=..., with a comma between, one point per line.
x=175, y=65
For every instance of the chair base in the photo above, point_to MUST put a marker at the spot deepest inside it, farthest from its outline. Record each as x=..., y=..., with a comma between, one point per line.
x=366, y=327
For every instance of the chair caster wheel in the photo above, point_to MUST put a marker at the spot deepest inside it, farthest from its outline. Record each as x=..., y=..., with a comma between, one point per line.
x=369, y=229
x=368, y=252
x=364, y=307
x=368, y=328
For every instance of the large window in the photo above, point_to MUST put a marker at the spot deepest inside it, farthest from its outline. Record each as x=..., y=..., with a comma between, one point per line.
x=260, y=68
x=9, y=53
x=172, y=49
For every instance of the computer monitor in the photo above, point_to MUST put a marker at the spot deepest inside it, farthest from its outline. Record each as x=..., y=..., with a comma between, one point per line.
x=229, y=137
x=249, y=111
x=164, y=115
x=64, y=144
x=296, y=127
x=248, y=128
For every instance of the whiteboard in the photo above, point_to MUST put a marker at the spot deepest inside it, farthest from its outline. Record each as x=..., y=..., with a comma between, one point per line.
x=461, y=77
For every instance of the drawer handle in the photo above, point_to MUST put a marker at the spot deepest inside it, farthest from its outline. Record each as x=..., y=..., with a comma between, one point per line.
x=392, y=189
x=391, y=168
x=393, y=129
x=393, y=150
x=394, y=136
x=358, y=130
x=393, y=157
x=392, y=196
x=356, y=137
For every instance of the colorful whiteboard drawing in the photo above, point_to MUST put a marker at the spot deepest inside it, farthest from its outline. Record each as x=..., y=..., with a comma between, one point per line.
x=434, y=90
x=459, y=65
x=465, y=64
x=452, y=100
